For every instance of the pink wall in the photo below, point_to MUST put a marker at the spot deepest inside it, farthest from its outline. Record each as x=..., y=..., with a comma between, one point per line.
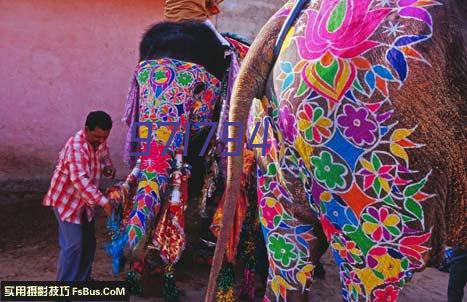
x=60, y=59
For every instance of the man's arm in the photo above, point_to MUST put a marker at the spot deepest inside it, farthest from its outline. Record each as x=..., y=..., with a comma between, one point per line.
x=79, y=176
x=109, y=169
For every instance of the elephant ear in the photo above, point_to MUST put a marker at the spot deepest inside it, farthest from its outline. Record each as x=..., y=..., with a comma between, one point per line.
x=249, y=85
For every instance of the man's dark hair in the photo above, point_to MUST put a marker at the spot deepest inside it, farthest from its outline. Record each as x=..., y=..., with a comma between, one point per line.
x=98, y=119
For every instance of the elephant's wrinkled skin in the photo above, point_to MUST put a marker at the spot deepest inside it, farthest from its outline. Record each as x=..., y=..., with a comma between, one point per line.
x=366, y=103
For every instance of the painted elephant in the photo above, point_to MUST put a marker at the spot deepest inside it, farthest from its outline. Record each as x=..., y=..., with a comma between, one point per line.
x=176, y=86
x=363, y=112
x=177, y=80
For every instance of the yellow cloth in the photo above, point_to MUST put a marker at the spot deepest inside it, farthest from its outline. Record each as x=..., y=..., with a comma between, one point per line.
x=182, y=10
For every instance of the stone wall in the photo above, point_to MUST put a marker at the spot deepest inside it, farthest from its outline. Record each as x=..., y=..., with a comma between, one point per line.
x=246, y=17
x=61, y=59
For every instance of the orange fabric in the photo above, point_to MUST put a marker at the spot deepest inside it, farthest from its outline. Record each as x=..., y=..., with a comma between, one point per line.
x=240, y=211
x=182, y=10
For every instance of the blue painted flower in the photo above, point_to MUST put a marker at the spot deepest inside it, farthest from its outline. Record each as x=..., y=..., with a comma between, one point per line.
x=336, y=212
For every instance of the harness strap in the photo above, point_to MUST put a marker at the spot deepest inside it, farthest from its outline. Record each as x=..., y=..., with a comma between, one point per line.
x=297, y=8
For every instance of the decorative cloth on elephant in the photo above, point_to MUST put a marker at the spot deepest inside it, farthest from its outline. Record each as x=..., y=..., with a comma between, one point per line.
x=333, y=139
x=169, y=91
x=240, y=211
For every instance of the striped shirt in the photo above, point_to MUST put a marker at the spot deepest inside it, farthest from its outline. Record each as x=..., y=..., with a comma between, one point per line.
x=74, y=185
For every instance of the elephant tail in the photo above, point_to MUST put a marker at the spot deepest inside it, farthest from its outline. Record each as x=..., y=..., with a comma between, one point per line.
x=249, y=85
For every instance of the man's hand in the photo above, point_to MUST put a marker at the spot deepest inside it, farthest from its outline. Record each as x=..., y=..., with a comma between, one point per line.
x=109, y=172
x=116, y=193
x=107, y=209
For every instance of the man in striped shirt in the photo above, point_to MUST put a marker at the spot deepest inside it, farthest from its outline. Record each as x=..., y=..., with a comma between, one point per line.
x=74, y=194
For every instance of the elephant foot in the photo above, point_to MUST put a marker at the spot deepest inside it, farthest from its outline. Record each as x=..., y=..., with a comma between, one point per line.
x=133, y=280
x=138, y=252
x=226, y=286
x=170, y=290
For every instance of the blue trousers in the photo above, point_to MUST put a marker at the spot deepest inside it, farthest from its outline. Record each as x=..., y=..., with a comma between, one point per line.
x=77, y=248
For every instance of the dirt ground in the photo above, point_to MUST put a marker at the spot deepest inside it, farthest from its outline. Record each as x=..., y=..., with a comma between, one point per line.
x=29, y=251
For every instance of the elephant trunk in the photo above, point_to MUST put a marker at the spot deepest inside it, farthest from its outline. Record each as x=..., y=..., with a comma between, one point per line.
x=249, y=84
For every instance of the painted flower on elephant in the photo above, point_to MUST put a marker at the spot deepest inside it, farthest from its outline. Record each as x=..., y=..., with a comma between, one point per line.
x=314, y=125
x=341, y=27
x=278, y=190
x=178, y=96
x=167, y=113
x=143, y=76
x=387, y=294
x=161, y=76
x=270, y=212
x=352, y=286
x=376, y=175
x=162, y=134
x=357, y=126
x=338, y=31
x=328, y=172
x=185, y=79
x=287, y=124
x=279, y=286
x=281, y=249
x=156, y=162
x=337, y=212
x=380, y=223
x=304, y=275
x=347, y=249
x=389, y=267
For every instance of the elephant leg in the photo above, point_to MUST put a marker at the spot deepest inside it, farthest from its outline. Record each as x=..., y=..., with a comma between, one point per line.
x=291, y=263
x=359, y=285
x=293, y=241
x=141, y=218
x=367, y=272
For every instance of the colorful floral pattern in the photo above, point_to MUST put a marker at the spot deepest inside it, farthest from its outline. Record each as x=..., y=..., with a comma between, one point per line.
x=167, y=95
x=380, y=224
x=387, y=294
x=287, y=124
x=328, y=172
x=376, y=175
x=357, y=127
x=281, y=250
x=336, y=150
x=313, y=124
